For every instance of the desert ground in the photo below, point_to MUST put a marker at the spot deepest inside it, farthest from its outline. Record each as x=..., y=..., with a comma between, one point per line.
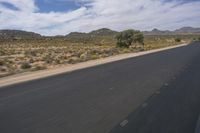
x=25, y=55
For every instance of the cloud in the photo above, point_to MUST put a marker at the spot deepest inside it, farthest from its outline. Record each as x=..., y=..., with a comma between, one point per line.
x=94, y=14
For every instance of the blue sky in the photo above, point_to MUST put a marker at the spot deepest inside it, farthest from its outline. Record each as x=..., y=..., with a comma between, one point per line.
x=67, y=5
x=56, y=5
x=8, y=5
x=53, y=17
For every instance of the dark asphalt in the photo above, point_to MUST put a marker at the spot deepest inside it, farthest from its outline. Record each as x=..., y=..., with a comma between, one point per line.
x=156, y=93
x=175, y=108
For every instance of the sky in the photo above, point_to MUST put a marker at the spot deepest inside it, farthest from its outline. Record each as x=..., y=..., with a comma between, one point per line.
x=60, y=17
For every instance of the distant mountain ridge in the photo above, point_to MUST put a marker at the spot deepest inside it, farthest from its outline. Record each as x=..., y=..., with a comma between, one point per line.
x=183, y=30
x=99, y=32
x=103, y=32
x=18, y=34
x=188, y=30
x=157, y=32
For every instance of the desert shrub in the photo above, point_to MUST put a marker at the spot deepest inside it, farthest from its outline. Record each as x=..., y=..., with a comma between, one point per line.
x=1, y=62
x=194, y=39
x=139, y=37
x=125, y=51
x=93, y=57
x=3, y=69
x=73, y=60
x=25, y=65
x=48, y=59
x=2, y=52
x=85, y=56
x=39, y=67
x=177, y=39
x=128, y=37
x=57, y=61
x=31, y=53
x=125, y=38
x=31, y=60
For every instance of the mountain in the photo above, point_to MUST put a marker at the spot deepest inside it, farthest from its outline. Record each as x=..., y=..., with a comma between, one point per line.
x=76, y=35
x=18, y=34
x=99, y=32
x=188, y=30
x=184, y=30
x=157, y=32
x=93, y=37
x=103, y=32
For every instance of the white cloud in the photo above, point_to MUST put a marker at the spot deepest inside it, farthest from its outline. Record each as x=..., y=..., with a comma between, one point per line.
x=94, y=14
x=23, y=5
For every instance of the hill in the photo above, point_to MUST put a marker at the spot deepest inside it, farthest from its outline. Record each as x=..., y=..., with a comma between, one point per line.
x=188, y=30
x=95, y=33
x=157, y=32
x=99, y=36
x=184, y=30
x=18, y=34
x=103, y=32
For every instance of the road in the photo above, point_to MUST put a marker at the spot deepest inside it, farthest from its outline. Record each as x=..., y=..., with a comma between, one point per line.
x=155, y=93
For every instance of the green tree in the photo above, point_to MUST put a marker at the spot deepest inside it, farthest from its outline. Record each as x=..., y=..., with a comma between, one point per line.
x=125, y=38
x=139, y=37
x=128, y=37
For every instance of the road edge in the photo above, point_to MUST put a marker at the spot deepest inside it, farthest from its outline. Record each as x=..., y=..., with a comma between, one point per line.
x=25, y=77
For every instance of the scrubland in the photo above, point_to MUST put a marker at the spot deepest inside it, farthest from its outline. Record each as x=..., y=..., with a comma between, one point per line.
x=17, y=56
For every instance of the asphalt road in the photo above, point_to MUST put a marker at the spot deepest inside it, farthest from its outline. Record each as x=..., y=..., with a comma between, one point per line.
x=155, y=93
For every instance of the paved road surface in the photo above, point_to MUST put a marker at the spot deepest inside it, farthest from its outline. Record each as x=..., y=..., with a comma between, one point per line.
x=175, y=108
x=156, y=93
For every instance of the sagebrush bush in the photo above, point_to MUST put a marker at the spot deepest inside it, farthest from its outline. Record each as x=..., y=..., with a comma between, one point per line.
x=3, y=69
x=39, y=67
x=128, y=37
x=25, y=65
x=1, y=62
x=178, y=39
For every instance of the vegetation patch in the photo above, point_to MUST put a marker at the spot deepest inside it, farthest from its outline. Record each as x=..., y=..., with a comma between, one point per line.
x=25, y=65
x=21, y=55
x=129, y=37
x=178, y=39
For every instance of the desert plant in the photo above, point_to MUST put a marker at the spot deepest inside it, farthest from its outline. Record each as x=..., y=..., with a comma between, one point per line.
x=1, y=62
x=127, y=37
x=39, y=67
x=73, y=60
x=3, y=69
x=194, y=39
x=139, y=37
x=2, y=52
x=30, y=53
x=25, y=65
x=48, y=59
x=177, y=39
x=31, y=60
